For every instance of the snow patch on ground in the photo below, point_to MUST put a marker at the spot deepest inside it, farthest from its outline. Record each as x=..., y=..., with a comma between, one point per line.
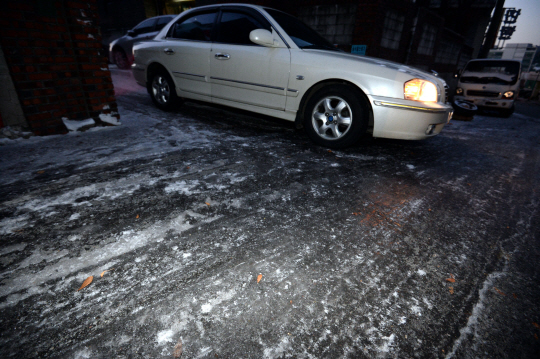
x=110, y=119
x=470, y=327
x=77, y=125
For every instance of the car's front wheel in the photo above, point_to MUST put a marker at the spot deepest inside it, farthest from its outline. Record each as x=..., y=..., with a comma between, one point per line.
x=162, y=91
x=507, y=112
x=464, y=108
x=336, y=116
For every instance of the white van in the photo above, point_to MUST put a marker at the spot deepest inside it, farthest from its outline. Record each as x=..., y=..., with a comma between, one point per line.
x=491, y=84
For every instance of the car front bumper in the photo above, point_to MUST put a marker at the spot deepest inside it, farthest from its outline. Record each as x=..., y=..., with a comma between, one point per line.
x=483, y=102
x=139, y=73
x=408, y=120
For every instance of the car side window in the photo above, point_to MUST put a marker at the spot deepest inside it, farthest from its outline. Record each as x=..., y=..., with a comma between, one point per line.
x=162, y=21
x=197, y=27
x=234, y=28
x=145, y=26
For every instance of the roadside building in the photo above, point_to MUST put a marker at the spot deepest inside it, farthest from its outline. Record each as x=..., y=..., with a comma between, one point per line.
x=429, y=34
x=528, y=54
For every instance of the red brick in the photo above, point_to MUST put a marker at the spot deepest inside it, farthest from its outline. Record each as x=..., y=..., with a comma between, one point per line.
x=22, y=6
x=42, y=52
x=57, y=28
x=90, y=67
x=89, y=81
x=42, y=76
x=101, y=73
x=59, y=60
x=13, y=33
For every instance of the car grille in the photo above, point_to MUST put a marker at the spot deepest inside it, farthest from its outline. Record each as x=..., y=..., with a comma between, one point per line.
x=482, y=93
x=446, y=90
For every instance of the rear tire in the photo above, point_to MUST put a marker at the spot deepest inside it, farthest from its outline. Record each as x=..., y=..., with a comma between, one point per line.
x=336, y=116
x=162, y=91
x=121, y=59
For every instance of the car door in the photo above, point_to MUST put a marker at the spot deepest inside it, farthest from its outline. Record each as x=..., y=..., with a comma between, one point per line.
x=185, y=53
x=243, y=72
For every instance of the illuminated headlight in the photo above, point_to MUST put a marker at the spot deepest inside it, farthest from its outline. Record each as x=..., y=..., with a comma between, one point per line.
x=420, y=90
x=459, y=91
x=508, y=94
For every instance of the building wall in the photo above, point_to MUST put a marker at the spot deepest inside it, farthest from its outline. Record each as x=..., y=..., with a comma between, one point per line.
x=52, y=49
x=10, y=107
x=526, y=53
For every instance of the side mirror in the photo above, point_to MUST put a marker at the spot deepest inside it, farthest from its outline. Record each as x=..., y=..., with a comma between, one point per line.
x=262, y=37
x=458, y=73
x=131, y=33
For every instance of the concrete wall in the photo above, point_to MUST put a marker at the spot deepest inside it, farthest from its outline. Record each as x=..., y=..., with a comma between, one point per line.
x=10, y=108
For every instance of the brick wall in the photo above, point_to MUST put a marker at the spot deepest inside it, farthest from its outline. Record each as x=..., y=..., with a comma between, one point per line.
x=52, y=49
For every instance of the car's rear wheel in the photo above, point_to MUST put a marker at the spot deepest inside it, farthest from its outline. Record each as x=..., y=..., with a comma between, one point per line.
x=121, y=59
x=162, y=91
x=336, y=116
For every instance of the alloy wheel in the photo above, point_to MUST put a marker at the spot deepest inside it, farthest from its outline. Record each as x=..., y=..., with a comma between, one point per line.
x=161, y=90
x=332, y=118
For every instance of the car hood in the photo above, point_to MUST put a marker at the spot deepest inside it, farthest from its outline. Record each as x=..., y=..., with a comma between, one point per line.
x=387, y=65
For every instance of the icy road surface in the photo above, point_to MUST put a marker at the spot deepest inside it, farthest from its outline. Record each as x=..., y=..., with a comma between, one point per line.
x=230, y=235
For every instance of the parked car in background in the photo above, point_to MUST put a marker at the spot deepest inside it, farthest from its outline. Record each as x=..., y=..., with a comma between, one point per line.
x=121, y=49
x=266, y=61
x=490, y=84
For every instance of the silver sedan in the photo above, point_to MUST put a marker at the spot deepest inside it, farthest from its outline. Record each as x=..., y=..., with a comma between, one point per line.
x=266, y=61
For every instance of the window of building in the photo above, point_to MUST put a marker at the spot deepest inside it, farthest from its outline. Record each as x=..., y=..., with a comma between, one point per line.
x=196, y=27
x=427, y=42
x=448, y=52
x=393, y=28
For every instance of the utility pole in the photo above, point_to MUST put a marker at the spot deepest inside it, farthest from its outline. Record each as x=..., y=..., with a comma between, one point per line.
x=493, y=29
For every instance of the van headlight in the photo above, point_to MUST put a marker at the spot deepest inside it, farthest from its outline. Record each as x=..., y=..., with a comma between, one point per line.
x=420, y=90
x=508, y=94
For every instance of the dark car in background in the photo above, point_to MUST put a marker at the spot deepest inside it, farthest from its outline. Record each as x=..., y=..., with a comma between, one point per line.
x=120, y=50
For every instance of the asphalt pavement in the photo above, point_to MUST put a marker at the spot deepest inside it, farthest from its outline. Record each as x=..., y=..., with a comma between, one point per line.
x=215, y=233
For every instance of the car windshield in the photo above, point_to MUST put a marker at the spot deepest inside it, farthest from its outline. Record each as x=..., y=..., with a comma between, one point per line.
x=491, y=72
x=303, y=36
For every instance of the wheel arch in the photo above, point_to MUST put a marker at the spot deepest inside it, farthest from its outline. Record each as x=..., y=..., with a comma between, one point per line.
x=319, y=85
x=152, y=69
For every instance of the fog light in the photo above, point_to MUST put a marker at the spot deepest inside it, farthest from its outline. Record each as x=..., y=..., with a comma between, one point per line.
x=430, y=129
x=459, y=91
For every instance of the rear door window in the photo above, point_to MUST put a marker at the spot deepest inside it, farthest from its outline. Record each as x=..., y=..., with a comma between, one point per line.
x=195, y=27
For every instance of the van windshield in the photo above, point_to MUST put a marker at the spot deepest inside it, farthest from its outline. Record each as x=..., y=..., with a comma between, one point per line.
x=491, y=72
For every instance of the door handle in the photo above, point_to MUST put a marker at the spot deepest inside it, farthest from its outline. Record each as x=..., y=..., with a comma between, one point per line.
x=222, y=56
x=168, y=51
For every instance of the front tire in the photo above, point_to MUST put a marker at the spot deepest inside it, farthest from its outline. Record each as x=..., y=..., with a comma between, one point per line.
x=162, y=91
x=507, y=112
x=336, y=116
x=464, y=108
